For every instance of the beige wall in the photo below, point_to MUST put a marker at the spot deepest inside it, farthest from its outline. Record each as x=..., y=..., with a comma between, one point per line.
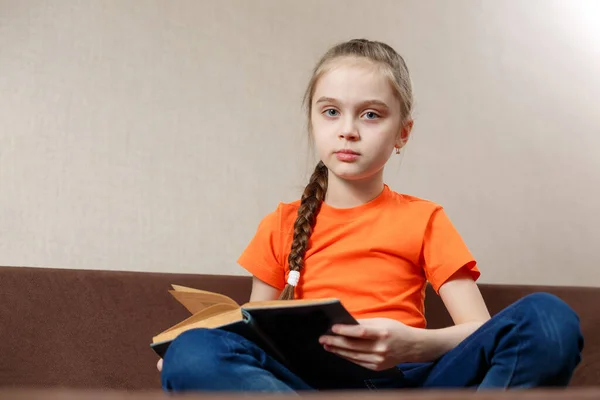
x=155, y=135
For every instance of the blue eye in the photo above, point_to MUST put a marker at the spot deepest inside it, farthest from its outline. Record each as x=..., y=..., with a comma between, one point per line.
x=371, y=115
x=331, y=112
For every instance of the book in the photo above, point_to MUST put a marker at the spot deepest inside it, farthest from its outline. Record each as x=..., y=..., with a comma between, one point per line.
x=288, y=330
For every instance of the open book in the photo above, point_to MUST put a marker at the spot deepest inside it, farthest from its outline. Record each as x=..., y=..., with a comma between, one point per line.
x=288, y=330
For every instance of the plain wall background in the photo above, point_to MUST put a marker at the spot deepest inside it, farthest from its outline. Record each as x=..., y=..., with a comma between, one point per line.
x=155, y=135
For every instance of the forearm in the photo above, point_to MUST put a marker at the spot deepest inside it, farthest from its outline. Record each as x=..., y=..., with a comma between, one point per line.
x=430, y=344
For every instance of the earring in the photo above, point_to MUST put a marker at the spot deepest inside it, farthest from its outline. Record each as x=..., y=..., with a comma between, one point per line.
x=397, y=150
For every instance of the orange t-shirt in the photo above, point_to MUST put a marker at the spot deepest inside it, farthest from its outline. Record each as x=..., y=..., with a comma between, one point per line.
x=376, y=258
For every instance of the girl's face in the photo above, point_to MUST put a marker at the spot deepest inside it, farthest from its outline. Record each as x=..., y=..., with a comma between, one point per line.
x=355, y=120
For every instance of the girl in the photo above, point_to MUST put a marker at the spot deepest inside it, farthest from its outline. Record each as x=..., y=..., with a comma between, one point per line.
x=352, y=237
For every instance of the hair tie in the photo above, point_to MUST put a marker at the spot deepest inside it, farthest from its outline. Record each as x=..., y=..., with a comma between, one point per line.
x=293, y=278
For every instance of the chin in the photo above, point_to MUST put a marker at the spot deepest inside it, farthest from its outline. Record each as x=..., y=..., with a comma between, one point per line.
x=354, y=171
x=350, y=174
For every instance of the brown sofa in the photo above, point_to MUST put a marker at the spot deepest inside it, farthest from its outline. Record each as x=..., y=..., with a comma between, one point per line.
x=86, y=329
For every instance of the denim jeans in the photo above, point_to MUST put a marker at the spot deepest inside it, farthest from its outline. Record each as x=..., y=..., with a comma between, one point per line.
x=534, y=342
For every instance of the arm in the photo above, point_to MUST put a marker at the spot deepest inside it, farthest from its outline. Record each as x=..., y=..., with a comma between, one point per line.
x=466, y=306
x=262, y=291
x=380, y=343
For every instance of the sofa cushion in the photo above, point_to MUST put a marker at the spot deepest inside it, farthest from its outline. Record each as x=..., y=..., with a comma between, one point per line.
x=92, y=329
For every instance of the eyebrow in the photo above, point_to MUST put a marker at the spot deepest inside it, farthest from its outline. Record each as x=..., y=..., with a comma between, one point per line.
x=362, y=103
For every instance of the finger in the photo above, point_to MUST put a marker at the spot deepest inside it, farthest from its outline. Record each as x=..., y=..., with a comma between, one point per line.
x=370, y=361
x=353, y=355
x=359, y=331
x=348, y=343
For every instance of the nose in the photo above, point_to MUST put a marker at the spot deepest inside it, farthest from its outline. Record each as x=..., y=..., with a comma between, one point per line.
x=349, y=131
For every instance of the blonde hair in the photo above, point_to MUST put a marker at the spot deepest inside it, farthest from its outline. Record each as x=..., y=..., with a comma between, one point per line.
x=392, y=65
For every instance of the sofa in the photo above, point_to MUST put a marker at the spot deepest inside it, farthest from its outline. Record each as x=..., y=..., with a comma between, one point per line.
x=90, y=330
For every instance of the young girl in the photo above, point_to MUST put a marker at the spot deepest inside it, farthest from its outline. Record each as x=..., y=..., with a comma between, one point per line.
x=351, y=237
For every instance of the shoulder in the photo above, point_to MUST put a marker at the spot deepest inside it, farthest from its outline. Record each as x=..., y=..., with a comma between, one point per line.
x=412, y=200
x=282, y=218
x=423, y=217
x=414, y=206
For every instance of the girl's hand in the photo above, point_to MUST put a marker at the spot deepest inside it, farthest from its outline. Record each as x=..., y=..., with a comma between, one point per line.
x=159, y=364
x=377, y=343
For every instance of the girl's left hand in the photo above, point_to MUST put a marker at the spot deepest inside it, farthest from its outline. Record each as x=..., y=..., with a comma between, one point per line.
x=377, y=343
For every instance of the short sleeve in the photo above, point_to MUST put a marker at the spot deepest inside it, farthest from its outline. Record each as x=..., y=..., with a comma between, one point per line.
x=444, y=251
x=262, y=256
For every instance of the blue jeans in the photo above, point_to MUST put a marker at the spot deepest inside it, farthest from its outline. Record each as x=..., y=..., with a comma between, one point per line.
x=534, y=342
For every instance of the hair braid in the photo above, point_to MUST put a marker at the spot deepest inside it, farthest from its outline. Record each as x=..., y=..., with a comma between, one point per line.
x=310, y=204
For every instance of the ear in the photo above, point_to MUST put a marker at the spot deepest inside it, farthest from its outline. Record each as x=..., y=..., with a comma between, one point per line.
x=404, y=134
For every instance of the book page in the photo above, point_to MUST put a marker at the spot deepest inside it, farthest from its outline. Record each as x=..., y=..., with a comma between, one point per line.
x=207, y=313
x=212, y=322
x=198, y=301
x=222, y=298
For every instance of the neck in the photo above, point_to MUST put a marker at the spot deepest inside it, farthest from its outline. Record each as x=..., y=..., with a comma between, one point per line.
x=347, y=194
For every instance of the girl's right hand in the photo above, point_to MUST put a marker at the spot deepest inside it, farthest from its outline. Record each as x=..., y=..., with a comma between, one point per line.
x=159, y=364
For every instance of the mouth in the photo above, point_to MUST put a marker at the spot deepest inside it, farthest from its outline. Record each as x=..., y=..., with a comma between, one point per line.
x=347, y=156
x=347, y=151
